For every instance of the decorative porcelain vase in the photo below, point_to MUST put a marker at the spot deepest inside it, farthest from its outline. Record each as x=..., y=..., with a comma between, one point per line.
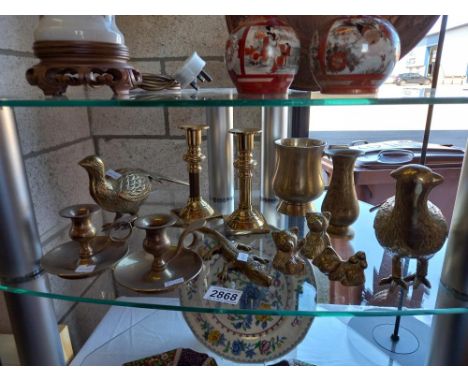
x=354, y=54
x=341, y=199
x=262, y=55
x=298, y=174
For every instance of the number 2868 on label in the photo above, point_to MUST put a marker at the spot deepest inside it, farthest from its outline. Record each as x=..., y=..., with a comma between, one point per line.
x=224, y=295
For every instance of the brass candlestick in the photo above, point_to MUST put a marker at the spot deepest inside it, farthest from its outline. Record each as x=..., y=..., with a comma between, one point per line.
x=82, y=229
x=196, y=208
x=245, y=219
x=86, y=254
x=162, y=266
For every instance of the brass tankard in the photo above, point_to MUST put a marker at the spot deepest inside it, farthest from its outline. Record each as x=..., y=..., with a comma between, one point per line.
x=298, y=175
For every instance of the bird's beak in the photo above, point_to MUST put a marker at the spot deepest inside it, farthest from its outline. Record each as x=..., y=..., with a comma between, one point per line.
x=82, y=163
x=437, y=179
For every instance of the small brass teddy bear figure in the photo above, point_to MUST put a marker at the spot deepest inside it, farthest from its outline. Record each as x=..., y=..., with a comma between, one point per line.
x=317, y=239
x=287, y=259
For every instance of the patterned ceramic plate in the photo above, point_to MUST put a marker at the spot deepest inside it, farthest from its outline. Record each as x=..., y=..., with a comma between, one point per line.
x=248, y=338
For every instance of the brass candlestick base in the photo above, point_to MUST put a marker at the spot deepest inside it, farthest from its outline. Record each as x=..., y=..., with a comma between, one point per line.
x=162, y=267
x=196, y=208
x=245, y=219
x=72, y=63
x=87, y=255
x=245, y=222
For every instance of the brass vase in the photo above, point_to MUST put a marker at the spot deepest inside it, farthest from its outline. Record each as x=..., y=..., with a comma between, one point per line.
x=298, y=174
x=341, y=199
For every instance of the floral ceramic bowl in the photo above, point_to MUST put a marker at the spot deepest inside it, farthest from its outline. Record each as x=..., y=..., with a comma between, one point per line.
x=248, y=338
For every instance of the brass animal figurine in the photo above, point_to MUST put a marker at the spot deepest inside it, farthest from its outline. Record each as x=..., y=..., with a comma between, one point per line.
x=253, y=268
x=348, y=273
x=317, y=238
x=287, y=259
x=122, y=191
x=409, y=225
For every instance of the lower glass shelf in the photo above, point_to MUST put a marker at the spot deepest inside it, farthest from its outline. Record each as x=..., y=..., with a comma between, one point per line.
x=288, y=296
x=126, y=334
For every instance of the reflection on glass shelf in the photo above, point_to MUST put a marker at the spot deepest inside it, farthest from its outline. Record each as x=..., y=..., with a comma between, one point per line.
x=229, y=97
x=290, y=295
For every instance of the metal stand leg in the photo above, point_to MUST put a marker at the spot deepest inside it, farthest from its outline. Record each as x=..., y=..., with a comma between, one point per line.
x=33, y=319
x=300, y=121
x=220, y=162
x=274, y=126
x=450, y=332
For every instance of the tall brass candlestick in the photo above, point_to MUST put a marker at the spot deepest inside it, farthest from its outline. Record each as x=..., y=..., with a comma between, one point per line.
x=245, y=219
x=196, y=208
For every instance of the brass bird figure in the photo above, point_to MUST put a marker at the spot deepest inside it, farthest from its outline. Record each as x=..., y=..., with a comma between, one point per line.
x=409, y=225
x=121, y=191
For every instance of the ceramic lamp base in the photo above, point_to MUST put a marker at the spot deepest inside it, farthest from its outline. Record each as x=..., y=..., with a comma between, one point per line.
x=73, y=63
x=295, y=209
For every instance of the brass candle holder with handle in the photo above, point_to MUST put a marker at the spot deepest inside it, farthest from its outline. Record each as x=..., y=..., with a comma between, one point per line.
x=196, y=208
x=87, y=254
x=245, y=219
x=162, y=266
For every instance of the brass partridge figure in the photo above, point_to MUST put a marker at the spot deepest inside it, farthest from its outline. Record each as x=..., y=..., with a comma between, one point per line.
x=121, y=191
x=409, y=225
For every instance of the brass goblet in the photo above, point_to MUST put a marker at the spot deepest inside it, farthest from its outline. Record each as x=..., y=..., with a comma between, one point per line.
x=298, y=175
x=161, y=267
x=87, y=254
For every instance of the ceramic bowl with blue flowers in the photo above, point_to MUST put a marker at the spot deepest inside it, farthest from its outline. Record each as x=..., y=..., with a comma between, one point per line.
x=254, y=337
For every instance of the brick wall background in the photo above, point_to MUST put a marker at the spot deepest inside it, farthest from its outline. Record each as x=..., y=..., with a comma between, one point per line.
x=54, y=139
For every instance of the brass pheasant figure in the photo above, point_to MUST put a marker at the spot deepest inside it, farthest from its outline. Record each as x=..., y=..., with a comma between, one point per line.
x=409, y=225
x=121, y=191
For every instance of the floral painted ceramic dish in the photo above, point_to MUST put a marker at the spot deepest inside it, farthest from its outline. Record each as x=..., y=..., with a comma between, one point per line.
x=248, y=338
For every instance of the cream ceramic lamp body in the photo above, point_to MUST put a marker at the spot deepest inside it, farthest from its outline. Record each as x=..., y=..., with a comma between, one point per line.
x=78, y=28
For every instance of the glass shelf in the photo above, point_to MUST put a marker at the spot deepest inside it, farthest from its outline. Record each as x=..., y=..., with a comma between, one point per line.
x=229, y=97
x=309, y=293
